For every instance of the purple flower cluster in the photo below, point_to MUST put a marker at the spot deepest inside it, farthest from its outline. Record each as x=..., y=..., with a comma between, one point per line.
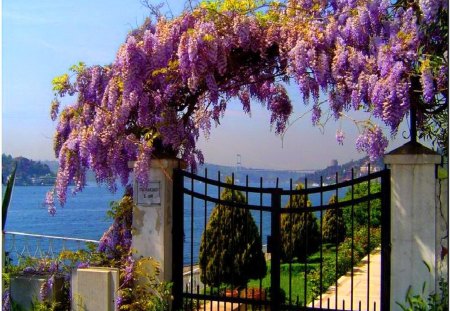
x=430, y=9
x=372, y=142
x=340, y=137
x=6, y=301
x=116, y=241
x=172, y=78
x=46, y=288
x=427, y=84
x=128, y=271
x=29, y=270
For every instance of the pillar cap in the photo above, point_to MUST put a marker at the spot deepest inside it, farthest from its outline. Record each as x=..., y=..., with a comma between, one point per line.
x=412, y=153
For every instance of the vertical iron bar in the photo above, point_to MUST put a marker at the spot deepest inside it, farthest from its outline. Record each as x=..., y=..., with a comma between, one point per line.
x=291, y=222
x=197, y=301
x=368, y=239
x=337, y=246
x=305, y=286
x=192, y=240
x=178, y=240
x=246, y=226
x=260, y=221
x=276, y=243
x=353, y=239
x=233, y=245
x=413, y=120
x=321, y=240
x=225, y=302
x=218, y=197
x=204, y=230
x=385, y=240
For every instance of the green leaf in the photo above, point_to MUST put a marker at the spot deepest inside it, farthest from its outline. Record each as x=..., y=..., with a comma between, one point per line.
x=60, y=82
x=7, y=196
x=427, y=265
x=78, y=67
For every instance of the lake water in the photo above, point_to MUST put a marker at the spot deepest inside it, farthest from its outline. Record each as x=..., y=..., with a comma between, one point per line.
x=84, y=215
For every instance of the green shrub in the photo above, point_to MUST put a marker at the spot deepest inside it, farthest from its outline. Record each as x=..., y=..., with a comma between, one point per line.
x=360, y=211
x=333, y=224
x=231, y=248
x=422, y=302
x=300, y=234
x=344, y=258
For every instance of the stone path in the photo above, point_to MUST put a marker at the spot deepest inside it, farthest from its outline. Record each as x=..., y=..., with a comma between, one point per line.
x=344, y=289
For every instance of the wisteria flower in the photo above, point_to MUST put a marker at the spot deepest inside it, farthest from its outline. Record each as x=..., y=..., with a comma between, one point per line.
x=372, y=142
x=340, y=137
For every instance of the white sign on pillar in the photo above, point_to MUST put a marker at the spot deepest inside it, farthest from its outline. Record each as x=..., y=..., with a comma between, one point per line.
x=151, y=195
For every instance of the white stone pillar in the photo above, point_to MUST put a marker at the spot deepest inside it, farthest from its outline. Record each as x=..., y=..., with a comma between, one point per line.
x=413, y=219
x=442, y=225
x=152, y=217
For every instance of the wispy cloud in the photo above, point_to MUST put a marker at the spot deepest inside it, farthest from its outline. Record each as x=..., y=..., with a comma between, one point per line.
x=28, y=18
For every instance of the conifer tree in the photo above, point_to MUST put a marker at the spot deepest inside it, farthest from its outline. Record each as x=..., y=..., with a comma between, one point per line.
x=231, y=248
x=333, y=223
x=300, y=234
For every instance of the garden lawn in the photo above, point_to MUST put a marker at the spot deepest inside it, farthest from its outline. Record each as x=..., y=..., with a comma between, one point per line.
x=292, y=276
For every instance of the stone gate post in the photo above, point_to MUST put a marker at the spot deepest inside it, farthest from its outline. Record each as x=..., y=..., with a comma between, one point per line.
x=413, y=219
x=152, y=217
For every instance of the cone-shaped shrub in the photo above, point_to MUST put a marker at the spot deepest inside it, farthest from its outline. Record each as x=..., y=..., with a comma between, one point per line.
x=333, y=223
x=231, y=248
x=300, y=234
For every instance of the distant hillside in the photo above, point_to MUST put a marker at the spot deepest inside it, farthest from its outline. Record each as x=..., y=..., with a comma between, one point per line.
x=213, y=169
x=254, y=174
x=28, y=173
x=345, y=170
x=270, y=175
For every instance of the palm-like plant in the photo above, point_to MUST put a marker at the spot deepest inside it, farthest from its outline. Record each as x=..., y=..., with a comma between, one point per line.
x=7, y=196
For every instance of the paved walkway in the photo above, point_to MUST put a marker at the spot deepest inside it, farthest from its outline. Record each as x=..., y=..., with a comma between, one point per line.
x=359, y=287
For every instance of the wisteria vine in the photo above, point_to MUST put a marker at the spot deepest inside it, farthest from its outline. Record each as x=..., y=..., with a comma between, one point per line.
x=172, y=79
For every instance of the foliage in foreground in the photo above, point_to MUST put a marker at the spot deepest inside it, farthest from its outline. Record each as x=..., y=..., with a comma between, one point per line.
x=7, y=196
x=231, y=248
x=436, y=301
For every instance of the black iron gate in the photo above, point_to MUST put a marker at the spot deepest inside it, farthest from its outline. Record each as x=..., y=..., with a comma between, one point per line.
x=295, y=280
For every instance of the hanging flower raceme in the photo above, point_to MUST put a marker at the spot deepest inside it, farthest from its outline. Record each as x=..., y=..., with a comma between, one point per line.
x=372, y=142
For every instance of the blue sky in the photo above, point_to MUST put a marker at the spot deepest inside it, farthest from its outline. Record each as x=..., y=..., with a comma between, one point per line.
x=42, y=39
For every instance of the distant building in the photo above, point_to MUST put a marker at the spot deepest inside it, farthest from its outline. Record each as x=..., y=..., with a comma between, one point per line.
x=334, y=163
x=364, y=169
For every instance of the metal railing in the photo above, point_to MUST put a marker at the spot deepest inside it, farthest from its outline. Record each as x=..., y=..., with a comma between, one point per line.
x=20, y=245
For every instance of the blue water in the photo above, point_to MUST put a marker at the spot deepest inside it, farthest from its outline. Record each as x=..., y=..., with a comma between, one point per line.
x=84, y=215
